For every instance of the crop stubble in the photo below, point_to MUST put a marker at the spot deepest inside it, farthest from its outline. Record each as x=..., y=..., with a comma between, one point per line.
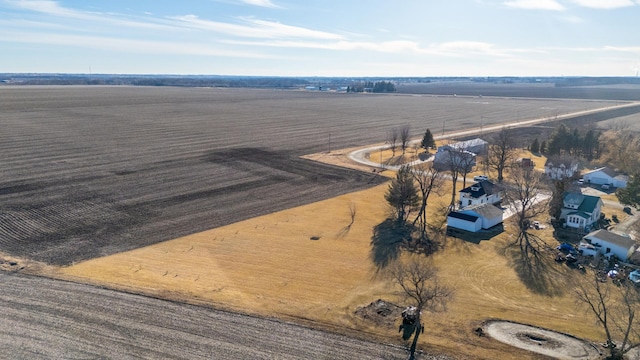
x=92, y=171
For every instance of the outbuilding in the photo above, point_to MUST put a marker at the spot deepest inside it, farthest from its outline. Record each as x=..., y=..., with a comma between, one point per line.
x=475, y=217
x=605, y=176
x=465, y=222
x=609, y=244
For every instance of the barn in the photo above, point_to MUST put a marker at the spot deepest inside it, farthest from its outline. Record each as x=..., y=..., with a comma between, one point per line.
x=475, y=217
x=605, y=176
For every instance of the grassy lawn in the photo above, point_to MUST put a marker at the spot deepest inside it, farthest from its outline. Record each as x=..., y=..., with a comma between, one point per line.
x=308, y=264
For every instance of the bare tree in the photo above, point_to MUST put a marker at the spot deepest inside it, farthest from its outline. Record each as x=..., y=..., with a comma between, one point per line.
x=458, y=161
x=526, y=193
x=501, y=153
x=418, y=280
x=404, y=138
x=614, y=308
x=392, y=140
x=620, y=148
x=429, y=180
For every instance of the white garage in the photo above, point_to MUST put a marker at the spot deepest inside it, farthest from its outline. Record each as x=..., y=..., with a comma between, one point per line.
x=475, y=217
x=605, y=176
x=464, y=222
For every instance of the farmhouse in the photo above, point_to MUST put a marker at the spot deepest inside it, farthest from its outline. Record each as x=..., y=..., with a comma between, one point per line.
x=475, y=217
x=611, y=244
x=580, y=211
x=605, y=176
x=560, y=167
x=461, y=154
x=483, y=192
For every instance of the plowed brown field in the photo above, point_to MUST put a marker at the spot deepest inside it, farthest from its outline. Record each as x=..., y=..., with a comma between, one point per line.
x=92, y=171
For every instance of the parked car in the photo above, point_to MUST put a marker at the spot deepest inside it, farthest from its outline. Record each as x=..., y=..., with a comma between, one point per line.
x=480, y=178
x=566, y=248
x=605, y=186
x=634, y=276
x=581, y=182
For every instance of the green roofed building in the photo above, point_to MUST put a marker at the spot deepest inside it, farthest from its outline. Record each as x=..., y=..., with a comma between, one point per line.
x=580, y=211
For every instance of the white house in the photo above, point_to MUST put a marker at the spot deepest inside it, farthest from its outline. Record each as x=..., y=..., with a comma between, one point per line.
x=460, y=154
x=605, y=175
x=482, y=192
x=580, y=211
x=609, y=244
x=475, y=217
x=560, y=167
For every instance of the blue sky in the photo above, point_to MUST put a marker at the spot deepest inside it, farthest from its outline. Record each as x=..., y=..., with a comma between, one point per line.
x=323, y=37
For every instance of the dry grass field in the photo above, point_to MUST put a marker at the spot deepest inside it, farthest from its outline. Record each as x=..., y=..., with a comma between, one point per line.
x=92, y=171
x=199, y=195
x=308, y=264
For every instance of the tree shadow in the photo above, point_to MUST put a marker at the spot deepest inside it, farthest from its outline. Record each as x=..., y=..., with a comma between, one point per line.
x=536, y=267
x=387, y=240
x=475, y=237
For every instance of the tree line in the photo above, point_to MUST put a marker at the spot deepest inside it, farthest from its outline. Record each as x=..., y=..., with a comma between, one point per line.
x=370, y=86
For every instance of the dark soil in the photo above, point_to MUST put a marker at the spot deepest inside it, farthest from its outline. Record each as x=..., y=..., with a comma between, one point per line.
x=381, y=313
x=93, y=171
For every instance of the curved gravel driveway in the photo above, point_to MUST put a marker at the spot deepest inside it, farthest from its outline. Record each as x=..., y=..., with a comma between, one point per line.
x=542, y=341
x=43, y=318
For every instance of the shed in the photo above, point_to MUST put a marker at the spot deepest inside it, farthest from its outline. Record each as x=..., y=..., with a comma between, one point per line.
x=610, y=244
x=464, y=221
x=489, y=214
x=605, y=176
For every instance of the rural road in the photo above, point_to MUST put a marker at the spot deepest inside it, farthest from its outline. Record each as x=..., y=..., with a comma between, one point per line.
x=50, y=319
x=360, y=156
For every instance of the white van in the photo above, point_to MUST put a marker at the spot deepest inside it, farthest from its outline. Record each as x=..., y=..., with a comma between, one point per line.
x=480, y=178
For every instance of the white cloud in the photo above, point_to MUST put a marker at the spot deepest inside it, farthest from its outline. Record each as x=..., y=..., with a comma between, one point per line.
x=459, y=49
x=630, y=49
x=126, y=45
x=53, y=8
x=604, y=4
x=572, y=19
x=255, y=28
x=535, y=4
x=263, y=3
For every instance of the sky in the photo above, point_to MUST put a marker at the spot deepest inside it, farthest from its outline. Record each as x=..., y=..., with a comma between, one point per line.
x=351, y=38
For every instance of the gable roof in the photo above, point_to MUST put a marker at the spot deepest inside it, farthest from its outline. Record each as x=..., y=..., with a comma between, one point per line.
x=558, y=161
x=585, y=203
x=611, y=238
x=607, y=170
x=487, y=211
x=589, y=203
x=484, y=187
x=572, y=198
x=461, y=216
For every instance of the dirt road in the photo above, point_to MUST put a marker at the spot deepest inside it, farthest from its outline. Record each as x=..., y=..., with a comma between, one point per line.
x=50, y=319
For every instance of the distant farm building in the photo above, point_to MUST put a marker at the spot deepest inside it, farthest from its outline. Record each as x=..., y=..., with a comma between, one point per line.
x=605, y=176
x=561, y=167
x=461, y=155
